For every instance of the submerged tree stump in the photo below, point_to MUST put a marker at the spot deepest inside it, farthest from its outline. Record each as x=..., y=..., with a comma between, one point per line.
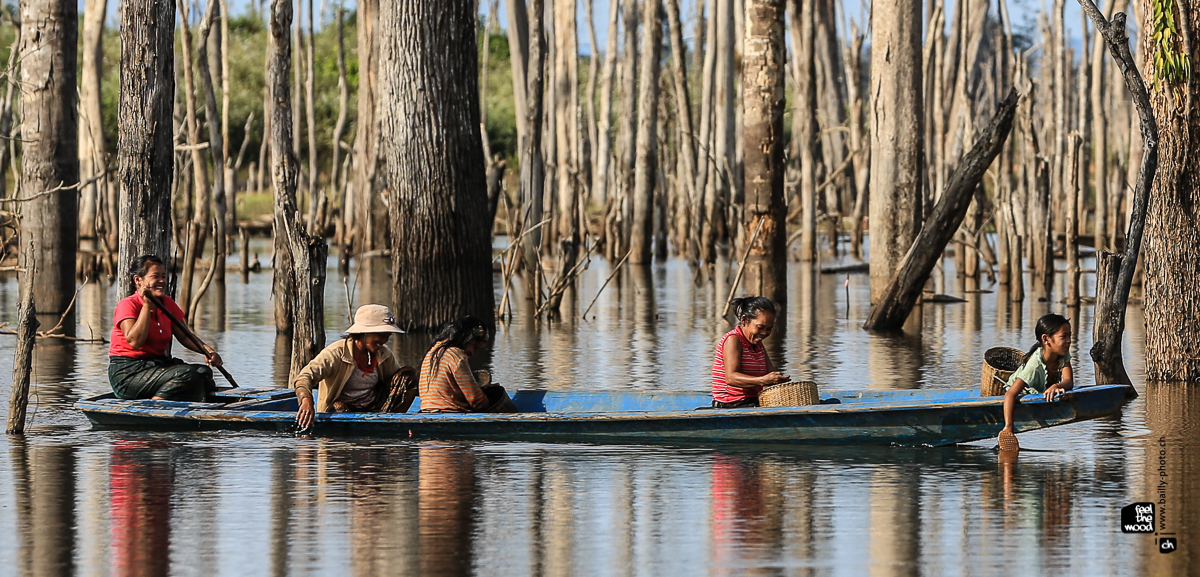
x=23, y=363
x=898, y=299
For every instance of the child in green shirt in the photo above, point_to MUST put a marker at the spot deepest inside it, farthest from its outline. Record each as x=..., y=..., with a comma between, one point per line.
x=1046, y=368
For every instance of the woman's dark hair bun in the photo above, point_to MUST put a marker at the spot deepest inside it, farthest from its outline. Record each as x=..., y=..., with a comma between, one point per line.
x=747, y=308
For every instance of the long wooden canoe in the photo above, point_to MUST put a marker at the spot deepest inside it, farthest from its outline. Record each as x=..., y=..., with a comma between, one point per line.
x=925, y=417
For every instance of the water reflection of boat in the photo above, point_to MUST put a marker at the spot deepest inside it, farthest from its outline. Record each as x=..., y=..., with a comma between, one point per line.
x=907, y=417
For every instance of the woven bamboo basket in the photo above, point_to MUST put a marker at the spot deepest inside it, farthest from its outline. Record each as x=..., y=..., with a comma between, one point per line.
x=999, y=363
x=792, y=394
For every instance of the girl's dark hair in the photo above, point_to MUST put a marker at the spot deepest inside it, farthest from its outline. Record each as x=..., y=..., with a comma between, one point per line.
x=460, y=334
x=141, y=264
x=1047, y=325
x=747, y=308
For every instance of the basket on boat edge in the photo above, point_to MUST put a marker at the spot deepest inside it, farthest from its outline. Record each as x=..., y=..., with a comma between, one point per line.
x=792, y=394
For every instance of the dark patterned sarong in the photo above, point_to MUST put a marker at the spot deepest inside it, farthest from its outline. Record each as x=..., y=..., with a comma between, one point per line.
x=396, y=395
x=162, y=377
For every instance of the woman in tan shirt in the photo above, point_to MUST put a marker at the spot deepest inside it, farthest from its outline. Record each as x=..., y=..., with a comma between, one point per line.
x=357, y=373
x=447, y=383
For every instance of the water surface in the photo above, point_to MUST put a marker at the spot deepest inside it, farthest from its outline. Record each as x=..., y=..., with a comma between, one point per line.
x=78, y=501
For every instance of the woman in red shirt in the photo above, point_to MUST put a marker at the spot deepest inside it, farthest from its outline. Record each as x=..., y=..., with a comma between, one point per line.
x=139, y=364
x=741, y=366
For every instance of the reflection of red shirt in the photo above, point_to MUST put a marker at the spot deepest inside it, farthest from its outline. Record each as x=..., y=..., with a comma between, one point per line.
x=159, y=339
x=140, y=509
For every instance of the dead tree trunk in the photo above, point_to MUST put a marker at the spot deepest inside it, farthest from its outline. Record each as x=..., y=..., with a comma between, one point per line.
x=897, y=139
x=687, y=146
x=1074, y=195
x=532, y=170
x=302, y=274
x=602, y=148
x=804, y=124
x=50, y=150
x=705, y=164
x=316, y=196
x=518, y=55
x=626, y=131
x=892, y=308
x=27, y=325
x=198, y=233
x=763, y=68
x=1100, y=139
x=6, y=110
x=860, y=151
x=441, y=252
x=92, y=156
x=1114, y=273
x=366, y=230
x=145, y=156
x=1170, y=211
x=566, y=134
x=647, y=135
x=343, y=113
x=217, y=146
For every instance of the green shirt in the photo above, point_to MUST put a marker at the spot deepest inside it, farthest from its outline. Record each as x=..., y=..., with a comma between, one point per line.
x=1035, y=375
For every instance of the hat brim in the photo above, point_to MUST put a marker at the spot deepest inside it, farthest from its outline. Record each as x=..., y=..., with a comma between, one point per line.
x=360, y=329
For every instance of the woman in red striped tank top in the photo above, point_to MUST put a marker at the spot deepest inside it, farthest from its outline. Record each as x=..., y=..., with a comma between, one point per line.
x=741, y=366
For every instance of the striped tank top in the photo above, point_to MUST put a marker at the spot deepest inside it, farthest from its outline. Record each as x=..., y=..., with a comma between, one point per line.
x=754, y=363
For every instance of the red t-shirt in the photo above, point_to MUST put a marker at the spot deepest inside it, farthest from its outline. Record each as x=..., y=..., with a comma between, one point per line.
x=157, y=342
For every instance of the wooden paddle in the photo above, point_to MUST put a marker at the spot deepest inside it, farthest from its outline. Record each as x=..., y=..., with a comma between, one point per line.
x=188, y=332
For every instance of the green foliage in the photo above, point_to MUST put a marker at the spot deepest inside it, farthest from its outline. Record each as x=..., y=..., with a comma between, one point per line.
x=501, y=109
x=1170, y=66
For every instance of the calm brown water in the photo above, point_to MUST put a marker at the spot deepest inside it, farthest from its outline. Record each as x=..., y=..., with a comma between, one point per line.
x=77, y=501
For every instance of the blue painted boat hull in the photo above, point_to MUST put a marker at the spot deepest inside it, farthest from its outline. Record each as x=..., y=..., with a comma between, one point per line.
x=926, y=417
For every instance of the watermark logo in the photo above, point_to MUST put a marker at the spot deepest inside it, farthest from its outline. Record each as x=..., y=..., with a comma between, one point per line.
x=1167, y=545
x=1138, y=518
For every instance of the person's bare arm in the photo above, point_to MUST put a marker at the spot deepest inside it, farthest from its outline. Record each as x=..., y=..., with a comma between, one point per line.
x=733, y=365
x=137, y=330
x=1065, y=384
x=1011, y=398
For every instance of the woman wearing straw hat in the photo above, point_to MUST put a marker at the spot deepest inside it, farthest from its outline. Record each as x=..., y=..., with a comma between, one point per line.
x=357, y=373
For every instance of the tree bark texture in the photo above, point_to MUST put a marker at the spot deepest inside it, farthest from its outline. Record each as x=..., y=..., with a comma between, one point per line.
x=763, y=69
x=50, y=149
x=1073, y=192
x=646, y=164
x=217, y=145
x=441, y=251
x=518, y=43
x=300, y=277
x=602, y=148
x=145, y=154
x=903, y=289
x=804, y=124
x=566, y=133
x=687, y=146
x=92, y=156
x=27, y=325
x=367, y=232
x=897, y=138
x=1114, y=273
x=198, y=232
x=1172, y=304
x=532, y=170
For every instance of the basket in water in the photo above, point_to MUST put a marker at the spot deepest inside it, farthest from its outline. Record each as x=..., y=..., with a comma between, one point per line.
x=792, y=394
x=999, y=363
